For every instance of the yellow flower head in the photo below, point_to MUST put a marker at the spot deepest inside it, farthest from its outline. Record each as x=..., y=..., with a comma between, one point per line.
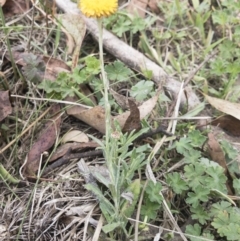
x=98, y=8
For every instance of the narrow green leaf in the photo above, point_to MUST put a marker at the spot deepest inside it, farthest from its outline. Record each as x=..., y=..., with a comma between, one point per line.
x=110, y=227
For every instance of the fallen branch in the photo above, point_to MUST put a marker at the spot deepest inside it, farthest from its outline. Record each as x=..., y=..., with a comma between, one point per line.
x=66, y=158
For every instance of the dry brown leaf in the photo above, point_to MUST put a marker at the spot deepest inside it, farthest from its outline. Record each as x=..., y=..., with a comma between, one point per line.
x=133, y=121
x=228, y=123
x=225, y=106
x=76, y=27
x=153, y=4
x=94, y=117
x=45, y=140
x=75, y=109
x=13, y=7
x=137, y=6
x=2, y=2
x=218, y=156
x=75, y=136
x=54, y=67
x=122, y=100
x=5, y=105
x=144, y=110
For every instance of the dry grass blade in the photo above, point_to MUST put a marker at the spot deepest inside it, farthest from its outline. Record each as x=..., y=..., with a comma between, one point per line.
x=25, y=131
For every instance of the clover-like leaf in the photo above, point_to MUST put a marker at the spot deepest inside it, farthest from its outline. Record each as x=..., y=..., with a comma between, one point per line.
x=176, y=182
x=194, y=174
x=197, y=139
x=183, y=145
x=199, y=194
x=217, y=179
x=49, y=86
x=227, y=224
x=200, y=214
x=150, y=209
x=118, y=71
x=153, y=191
x=141, y=90
x=92, y=65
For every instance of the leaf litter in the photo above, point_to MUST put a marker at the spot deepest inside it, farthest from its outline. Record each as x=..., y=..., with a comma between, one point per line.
x=45, y=141
x=75, y=136
x=5, y=105
x=218, y=156
x=12, y=8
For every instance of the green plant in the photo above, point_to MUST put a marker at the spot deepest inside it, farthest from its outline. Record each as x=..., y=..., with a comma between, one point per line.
x=198, y=17
x=196, y=231
x=122, y=22
x=118, y=72
x=142, y=89
x=67, y=84
x=226, y=66
x=118, y=202
x=223, y=72
x=226, y=219
x=152, y=201
x=197, y=185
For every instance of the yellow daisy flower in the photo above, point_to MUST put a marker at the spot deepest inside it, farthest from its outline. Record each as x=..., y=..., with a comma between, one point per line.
x=98, y=8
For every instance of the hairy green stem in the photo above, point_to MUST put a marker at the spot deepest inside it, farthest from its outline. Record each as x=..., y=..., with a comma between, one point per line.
x=108, y=150
x=106, y=88
x=82, y=97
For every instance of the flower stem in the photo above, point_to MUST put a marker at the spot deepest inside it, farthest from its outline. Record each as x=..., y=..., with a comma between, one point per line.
x=106, y=88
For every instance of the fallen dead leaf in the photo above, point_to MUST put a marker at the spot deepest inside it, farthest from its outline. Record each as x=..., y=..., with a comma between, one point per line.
x=45, y=140
x=225, y=106
x=75, y=136
x=228, y=123
x=5, y=105
x=144, y=110
x=153, y=4
x=13, y=7
x=133, y=121
x=54, y=67
x=121, y=100
x=218, y=156
x=138, y=6
x=94, y=117
x=2, y=2
x=80, y=211
x=76, y=27
x=75, y=109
